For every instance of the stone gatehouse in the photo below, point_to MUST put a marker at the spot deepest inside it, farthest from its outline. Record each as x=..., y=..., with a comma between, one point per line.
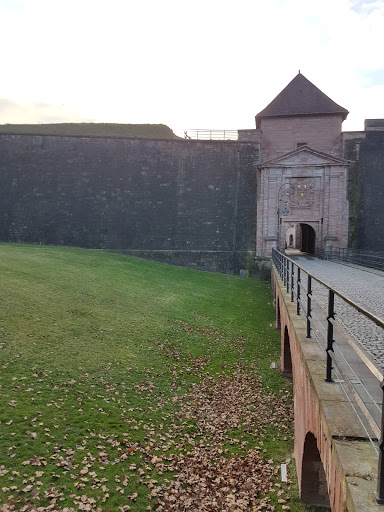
x=296, y=180
x=302, y=178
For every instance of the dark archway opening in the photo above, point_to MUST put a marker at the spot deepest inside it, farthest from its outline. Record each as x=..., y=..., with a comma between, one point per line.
x=314, y=490
x=307, y=239
x=287, y=360
x=278, y=322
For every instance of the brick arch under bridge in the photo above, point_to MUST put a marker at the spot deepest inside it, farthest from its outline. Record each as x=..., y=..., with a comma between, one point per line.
x=307, y=424
x=321, y=412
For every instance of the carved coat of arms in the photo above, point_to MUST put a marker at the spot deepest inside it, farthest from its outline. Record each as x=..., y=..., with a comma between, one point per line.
x=302, y=194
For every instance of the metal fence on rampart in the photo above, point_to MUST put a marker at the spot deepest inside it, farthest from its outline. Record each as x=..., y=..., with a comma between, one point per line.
x=368, y=259
x=206, y=134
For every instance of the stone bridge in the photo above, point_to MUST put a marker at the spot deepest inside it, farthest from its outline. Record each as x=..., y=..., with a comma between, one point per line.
x=336, y=446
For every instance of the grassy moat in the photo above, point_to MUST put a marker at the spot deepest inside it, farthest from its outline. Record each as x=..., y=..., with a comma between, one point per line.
x=132, y=385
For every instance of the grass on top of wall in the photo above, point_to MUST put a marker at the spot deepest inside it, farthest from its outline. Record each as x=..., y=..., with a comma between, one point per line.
x=141, y=131
x=132, y=385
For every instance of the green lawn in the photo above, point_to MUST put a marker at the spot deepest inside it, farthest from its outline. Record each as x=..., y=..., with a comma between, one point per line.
x=132, y=385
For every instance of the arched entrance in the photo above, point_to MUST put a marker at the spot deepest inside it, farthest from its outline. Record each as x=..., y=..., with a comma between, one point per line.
x=314, y=490
x=287, y=361
x=307, y=239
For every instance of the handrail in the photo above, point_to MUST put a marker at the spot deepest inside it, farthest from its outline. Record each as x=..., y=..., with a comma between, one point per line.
x=282, y=264
x=208, y=134
x=284, y=258
x=378, y=321
x=364, y=258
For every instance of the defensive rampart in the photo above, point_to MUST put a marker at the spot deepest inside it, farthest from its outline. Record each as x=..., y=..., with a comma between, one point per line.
x=184, y=202
x=365, y=150
x=190, y=203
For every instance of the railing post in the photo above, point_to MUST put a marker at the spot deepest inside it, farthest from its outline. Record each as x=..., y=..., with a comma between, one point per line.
x=330, y=340
x=287, y=261
x=292, y=281
x=278, y=260
x=309, y=303
x=281, y=266
x=380, y=469
x=298, y=291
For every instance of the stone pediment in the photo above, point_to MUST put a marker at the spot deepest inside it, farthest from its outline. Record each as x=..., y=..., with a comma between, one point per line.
x=304, y=156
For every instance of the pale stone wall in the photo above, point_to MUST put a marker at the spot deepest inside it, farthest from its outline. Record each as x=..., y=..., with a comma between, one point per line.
x=282, y=134
x=305, y=187
x=249, y=135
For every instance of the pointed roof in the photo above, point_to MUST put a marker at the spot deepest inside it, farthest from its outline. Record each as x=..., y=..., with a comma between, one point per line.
x=299, y=98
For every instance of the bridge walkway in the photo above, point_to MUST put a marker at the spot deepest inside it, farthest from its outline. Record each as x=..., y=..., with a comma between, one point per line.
x=359, y=347
x=338, y=390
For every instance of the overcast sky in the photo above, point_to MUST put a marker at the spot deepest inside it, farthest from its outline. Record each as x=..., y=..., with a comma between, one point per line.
x=188, y=64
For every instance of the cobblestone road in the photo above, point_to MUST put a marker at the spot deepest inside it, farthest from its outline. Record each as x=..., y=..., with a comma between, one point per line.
x=363, y=287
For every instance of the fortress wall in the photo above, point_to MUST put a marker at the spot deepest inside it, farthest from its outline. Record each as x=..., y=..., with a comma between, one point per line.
x=366, y=189
x=190, y=203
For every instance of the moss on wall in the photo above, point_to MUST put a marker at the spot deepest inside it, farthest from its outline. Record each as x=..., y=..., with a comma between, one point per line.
x=353, y=191
x=366, y=190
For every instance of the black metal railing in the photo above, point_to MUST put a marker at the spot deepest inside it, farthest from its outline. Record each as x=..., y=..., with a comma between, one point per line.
x=287, y=270
x=207, y=134
x=369, y=259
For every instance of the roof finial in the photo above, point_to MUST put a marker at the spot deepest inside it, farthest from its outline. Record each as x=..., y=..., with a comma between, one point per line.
x=299, y=72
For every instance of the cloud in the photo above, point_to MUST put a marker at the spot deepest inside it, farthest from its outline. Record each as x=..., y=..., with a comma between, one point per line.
x=12, y=112
x=215, y=64
x=375, y=77
x=366, y=7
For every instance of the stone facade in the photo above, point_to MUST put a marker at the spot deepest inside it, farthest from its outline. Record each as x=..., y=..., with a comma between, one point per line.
x=302, y=179
x=283, y=134
x=302, y=187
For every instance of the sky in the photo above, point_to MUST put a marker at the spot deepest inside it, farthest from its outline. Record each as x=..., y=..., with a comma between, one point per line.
x=187, y=64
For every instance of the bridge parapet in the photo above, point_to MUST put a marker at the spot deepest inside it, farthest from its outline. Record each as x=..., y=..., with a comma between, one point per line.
x=336, y=447
x=369, y=259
